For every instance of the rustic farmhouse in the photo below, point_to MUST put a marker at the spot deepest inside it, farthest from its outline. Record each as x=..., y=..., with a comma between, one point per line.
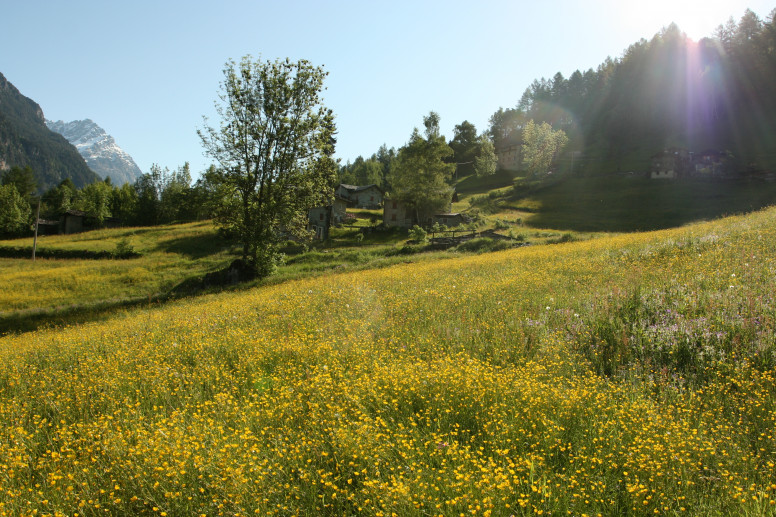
x=509, y=152
x=320, y=218
x=399, y=214
x=368, y=196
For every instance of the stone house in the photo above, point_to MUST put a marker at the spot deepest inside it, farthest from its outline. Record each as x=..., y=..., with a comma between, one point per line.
x=509, y=152
x=321, y=218
x=367, y=196
x=397, y=214
x=710, y=163
x=670, y=164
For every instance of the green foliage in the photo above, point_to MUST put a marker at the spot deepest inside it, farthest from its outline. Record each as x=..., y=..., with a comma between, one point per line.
x=95, y=199
x=483, y=245
x=274, y=146
x=124, y=203
x=420, y=174
x=666, y=92
x=418, y=234
x=363, y=172
x=485, y=164
x=465, y=146
x=124, y=248
x=15, y=211
x=23, y=178
x=59, y=199
x=541, y=145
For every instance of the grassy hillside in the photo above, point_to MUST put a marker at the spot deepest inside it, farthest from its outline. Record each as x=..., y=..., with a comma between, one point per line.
x=617, y=203
x=629, y=375
x=68, y=289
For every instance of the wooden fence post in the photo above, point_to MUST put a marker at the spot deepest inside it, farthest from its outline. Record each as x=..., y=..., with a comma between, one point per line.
x=35, y=239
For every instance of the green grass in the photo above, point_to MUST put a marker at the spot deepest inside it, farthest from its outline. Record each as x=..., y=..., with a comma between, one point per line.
x=69, y=290
x=626, y=204
x=627, y=375
x=173, y=259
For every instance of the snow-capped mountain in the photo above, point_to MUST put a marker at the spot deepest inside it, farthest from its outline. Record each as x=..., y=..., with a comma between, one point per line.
x=99, y=149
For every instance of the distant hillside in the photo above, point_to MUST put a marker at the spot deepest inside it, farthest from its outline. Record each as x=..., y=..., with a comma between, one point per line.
x=99, y=149
x=717, y=94
x=26, y=141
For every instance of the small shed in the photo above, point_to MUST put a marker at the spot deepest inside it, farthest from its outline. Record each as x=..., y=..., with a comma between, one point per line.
x=72, y=221
x=450, y=220
x=47, y=227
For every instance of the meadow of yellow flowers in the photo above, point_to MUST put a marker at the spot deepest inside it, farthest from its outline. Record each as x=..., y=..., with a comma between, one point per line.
x=629, y=375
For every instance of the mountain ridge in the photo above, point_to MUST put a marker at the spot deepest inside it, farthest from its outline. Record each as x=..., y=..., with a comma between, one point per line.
x=99, y=149
x=26, y=141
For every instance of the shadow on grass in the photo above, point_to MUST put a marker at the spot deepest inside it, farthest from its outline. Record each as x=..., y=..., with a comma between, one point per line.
x=57, y=253
x=30, y=320
x=616, y=204
x=195, y=246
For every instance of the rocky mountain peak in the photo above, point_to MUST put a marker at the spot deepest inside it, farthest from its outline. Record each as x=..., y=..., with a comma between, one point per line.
x=99, y=149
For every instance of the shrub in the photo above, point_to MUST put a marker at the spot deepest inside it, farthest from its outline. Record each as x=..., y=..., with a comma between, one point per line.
x=124, y=249
x=483, y=245
x=418, y=234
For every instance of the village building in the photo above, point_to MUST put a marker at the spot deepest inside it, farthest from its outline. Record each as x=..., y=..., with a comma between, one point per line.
x=72, y=221
x=398, y=214
x=671, y=163
x=76, y=221
x=321, y=218
x=449, y=219
x=710, y=163
x=319, y=221
x=509, y=152
x=48, y=227
x=367, y=196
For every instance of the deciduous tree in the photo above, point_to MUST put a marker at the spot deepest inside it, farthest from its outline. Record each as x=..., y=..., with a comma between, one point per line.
x=273, y=145
x=541, y=144
x=14, y=211
x=485, y=164
x=420, y=174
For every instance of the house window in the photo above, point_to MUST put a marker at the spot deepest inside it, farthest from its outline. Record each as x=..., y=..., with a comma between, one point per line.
x=394, y=205
x=320, y=216
x=371, y=198
x=393, y=217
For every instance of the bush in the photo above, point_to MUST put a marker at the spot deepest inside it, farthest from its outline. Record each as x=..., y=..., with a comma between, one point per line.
x=483, y=245
x=418, y=234
x=124, y=249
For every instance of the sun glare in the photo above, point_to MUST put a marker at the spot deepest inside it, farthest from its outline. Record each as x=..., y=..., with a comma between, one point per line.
x=697, y=19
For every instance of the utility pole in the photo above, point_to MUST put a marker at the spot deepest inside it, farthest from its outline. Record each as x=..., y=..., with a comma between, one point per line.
x=35, y=239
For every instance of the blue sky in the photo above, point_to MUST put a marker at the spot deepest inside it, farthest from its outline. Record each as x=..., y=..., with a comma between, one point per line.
x=147, y=71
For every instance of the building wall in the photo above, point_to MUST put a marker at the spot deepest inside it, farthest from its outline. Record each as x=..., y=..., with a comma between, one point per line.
x=72, y=224
x=663, y=174
x=395, y=214
x=509, y=158
x=338, y=209
x=369, y=198
x=318, y=221
x=449, y=220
